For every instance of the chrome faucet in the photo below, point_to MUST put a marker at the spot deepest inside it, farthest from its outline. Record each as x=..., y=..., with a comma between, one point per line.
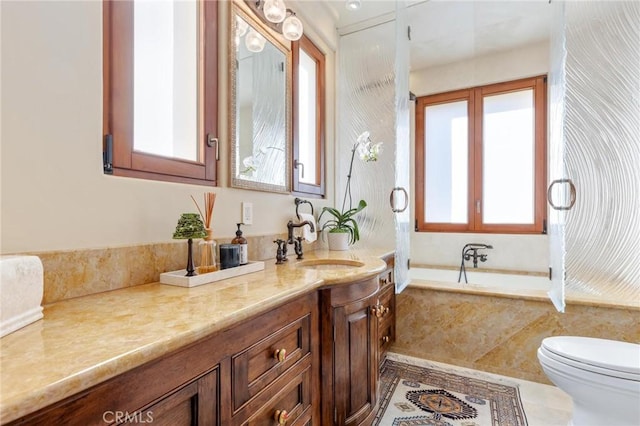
x=297, y=241
x=470, y=251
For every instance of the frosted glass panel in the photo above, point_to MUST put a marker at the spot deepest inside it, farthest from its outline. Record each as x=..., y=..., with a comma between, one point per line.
x=555, y=149
x=508, y=158
x=307, y=118
x=446, y=162
x=372, y=95
x=403, y=147
x=366, y=101
x=594, y=127
x=165, y=84
x=602, y=127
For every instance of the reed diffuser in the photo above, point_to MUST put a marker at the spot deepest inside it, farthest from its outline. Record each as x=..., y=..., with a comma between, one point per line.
x=208, y=262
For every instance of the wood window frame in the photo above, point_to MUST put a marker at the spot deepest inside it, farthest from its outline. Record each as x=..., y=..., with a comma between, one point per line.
x=118, y=119
x=474, y=98
x=301, y=188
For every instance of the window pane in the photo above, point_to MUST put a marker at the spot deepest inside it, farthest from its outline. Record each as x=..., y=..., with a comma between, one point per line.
x=446, y=162
x=307, y=97
x=165, y=90
x=508, y=158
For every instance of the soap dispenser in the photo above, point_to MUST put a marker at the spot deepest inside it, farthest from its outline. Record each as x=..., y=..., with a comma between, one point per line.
x=244, y=247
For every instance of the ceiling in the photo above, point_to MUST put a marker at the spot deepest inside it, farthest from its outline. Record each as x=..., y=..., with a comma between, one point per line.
x=446, y=31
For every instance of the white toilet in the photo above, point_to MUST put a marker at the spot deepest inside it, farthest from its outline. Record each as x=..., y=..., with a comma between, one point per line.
x=602, y=377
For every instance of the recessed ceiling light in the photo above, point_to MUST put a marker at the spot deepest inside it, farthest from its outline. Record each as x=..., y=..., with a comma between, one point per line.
x=353, y=4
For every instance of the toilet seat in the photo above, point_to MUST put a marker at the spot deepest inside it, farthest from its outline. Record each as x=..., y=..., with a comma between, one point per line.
x=608, y=357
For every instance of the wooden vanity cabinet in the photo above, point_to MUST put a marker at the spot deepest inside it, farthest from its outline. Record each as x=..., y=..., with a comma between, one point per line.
x=386, y=310
x=244, y=375
x=194, y=404
x=311, y=361
x=349, y=365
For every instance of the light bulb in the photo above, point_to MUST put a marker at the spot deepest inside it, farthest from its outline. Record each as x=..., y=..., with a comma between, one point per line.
x=292, y=28
x=241, y=26
x=353, y=4
x=275, y=11
x=254, y=41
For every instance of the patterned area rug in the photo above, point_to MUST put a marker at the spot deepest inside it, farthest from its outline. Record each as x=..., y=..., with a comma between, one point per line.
x=415, y=395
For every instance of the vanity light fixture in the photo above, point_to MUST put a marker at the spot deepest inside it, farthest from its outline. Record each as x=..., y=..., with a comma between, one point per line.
x=254, y=41
x=275, y=11
x=292, y=27
x=353, y=4
x=280, y=17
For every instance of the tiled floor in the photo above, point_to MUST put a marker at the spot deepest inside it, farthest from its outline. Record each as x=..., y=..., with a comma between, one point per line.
x=544, y=405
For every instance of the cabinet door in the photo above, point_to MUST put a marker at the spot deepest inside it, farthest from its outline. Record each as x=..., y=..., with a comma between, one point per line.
x=355, y=364
x=194, y=404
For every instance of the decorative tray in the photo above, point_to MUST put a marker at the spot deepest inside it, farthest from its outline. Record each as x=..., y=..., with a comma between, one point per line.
x=179, y=278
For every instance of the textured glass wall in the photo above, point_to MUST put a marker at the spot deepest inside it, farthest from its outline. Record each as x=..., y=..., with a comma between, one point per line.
x=366, y=101
x=602, y=148
x=402, y=148
x=556, y=85
x=373, y=95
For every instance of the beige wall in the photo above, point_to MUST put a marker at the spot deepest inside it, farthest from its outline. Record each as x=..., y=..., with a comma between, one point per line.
x=512, y=252
x=54, y=194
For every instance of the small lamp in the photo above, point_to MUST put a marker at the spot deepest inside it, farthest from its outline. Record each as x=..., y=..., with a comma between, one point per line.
x=189, y=226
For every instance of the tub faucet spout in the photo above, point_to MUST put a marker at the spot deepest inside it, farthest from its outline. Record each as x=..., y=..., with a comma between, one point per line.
x=470, y=251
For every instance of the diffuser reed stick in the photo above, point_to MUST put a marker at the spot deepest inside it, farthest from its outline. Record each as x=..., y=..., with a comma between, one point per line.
x=208, y=246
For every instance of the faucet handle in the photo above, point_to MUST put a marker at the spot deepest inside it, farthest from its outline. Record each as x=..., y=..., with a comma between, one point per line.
x=281, y=254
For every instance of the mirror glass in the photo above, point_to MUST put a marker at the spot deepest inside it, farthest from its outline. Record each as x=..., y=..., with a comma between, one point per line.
x=260, y=125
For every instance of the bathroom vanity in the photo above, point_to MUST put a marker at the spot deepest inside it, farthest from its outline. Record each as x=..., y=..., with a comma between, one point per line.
x=289, y=345
x=357, y=325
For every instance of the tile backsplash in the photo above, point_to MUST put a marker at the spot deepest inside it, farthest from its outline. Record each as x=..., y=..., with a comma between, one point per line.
x=75, y=273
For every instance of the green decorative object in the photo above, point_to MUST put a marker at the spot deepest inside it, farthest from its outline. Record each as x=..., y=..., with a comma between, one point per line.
x=189, y=226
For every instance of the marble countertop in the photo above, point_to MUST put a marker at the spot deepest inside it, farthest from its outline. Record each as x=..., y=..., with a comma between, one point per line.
x=84, y=341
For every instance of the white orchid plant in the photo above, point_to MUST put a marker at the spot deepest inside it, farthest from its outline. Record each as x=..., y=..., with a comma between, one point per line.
x=343, y=221
x=252, y=162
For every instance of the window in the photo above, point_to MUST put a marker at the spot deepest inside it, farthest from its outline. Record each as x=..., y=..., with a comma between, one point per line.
x=160, y=90
x=308, y=123
x=480, y=159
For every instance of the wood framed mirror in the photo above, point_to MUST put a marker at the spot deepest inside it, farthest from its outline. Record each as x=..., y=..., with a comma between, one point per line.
x=260, y=96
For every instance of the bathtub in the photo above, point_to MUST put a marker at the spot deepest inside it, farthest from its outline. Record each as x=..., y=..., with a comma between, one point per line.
x=481, y=279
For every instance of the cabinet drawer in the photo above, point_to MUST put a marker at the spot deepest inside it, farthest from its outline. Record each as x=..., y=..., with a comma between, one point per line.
x=265, y=361
x=386, y=303
x=293, y=400
x=386, y=336
x=386, y=278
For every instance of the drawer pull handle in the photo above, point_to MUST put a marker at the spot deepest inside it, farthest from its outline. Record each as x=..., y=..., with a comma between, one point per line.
x=383, y=281
x=281, y=416
x=385, y=339
x=280, y=354
x=379, y=311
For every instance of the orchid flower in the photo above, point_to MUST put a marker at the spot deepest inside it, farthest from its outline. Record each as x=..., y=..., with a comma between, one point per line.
x=249, y=165
x=367, y=152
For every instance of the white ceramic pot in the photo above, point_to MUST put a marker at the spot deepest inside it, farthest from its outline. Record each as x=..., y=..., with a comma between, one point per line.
x=338, y=241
